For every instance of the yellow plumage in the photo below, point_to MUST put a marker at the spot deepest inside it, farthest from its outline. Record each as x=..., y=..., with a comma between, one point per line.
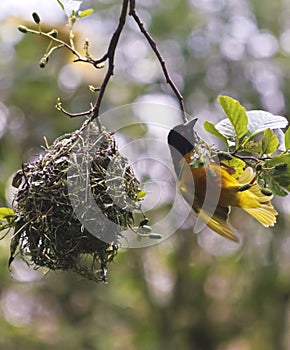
x=243, y=193
x=210, y=188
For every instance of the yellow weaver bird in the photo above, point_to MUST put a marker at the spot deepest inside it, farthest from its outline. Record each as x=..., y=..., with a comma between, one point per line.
x=210, y=188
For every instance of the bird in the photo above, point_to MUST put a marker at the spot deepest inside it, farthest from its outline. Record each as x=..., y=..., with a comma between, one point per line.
x=209, y=186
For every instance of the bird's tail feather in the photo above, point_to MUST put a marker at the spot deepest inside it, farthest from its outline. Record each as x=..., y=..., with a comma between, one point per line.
x=219, y=224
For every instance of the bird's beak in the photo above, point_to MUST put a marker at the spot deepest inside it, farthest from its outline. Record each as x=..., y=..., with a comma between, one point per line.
x=191, y=123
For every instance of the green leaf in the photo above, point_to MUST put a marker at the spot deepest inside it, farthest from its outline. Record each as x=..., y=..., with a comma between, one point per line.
x=13, y=247
x=237, y=164
x=85, y=13
x=209, y=127
x=253, y=146
x=277, y=189
x=140, y=195
x=236, y=114
x=287, y=139
x=280, y=172
x=266, y=178
x=6, y=214
x=269, y=142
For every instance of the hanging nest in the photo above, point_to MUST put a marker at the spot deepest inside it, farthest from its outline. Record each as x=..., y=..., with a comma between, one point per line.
x=73, y=203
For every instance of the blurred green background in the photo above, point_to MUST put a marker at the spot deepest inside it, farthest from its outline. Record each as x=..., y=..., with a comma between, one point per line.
x=191, y=291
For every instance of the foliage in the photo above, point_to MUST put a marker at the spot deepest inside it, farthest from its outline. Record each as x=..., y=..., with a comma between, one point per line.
x=240, y=133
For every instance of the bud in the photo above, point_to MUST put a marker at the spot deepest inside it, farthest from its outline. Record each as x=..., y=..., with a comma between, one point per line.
x=100, y=65
x=144, y=222
x=266, y=191
x=43, y=61
x=36, y=18
x=73, y=17
x=281, y=166
x=53, y=33
x=155, y=236
x=244, y=188
x=22, y=29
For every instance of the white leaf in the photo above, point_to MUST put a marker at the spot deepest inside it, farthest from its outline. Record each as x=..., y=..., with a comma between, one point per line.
x=258, y=121
x=226, y=128
x=71, y=6
x=261, y=120
x=280, y=136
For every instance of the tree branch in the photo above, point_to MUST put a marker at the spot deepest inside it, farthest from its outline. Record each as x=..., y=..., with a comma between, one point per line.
x=110, y=56
x=153, y=45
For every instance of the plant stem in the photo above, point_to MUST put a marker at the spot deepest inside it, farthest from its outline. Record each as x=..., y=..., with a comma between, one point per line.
x=63, y=44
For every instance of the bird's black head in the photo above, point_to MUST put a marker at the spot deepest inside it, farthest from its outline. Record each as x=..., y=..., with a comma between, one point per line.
x=182, y=138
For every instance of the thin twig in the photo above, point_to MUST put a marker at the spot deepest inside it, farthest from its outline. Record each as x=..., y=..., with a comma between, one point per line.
x=153, y=45
x=110, y=56
x=52, y=49
x=246, y=158
x=74, y=115
x=63, y=44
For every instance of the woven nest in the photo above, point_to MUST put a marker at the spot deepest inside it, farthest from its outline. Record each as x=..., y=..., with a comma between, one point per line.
x=73, y=203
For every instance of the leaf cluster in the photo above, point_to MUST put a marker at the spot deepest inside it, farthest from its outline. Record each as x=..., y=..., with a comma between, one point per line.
x=255, y=138
x=6, y=219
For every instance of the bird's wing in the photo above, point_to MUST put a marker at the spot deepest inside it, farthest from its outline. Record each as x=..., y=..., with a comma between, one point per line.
x=218, y=221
